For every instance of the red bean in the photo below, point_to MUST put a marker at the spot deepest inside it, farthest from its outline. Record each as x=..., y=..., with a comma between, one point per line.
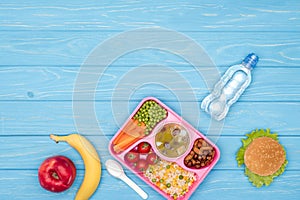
x=201, y=155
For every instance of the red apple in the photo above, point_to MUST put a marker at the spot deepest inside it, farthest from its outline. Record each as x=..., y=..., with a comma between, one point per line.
x=57, y=173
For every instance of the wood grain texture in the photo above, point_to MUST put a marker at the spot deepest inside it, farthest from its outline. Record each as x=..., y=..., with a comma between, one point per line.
x=72, y=48
x=123, y=15
x=32, y=150
x=44, y=43
x=231, y=184
x=57, y=83
x=43, y=118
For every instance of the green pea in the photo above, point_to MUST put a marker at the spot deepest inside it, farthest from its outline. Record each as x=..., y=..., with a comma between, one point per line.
x=151, y=170
x=180, y=177
x=168, y=185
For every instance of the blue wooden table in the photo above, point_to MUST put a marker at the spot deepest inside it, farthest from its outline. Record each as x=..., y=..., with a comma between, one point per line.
x=44, y=44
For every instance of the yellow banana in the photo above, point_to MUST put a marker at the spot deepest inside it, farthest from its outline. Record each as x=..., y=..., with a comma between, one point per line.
x=91, y=161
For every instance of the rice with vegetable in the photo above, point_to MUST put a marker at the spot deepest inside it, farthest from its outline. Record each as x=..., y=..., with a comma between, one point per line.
x=170, y=178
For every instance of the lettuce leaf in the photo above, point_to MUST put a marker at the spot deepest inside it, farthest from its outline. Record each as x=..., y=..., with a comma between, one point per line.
x=257, y=180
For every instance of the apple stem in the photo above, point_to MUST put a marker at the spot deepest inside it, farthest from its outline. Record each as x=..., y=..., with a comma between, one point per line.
x=55, y=175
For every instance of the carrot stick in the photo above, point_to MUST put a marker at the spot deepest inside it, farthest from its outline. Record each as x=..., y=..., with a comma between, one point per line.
x=123, y=145
x=141, y=129
x=129, y=135
x=138, y=131
x=121, y=136
x=130, y=126
x=135, y=134
x=125, y=130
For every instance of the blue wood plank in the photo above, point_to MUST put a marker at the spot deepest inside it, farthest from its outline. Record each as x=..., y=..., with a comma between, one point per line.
x=231, y=185
x=234, y=185
x=44, y=43
x=57, y=83
x=72, y=48
x=206, y=15
x=32, y=150
x=42, y=118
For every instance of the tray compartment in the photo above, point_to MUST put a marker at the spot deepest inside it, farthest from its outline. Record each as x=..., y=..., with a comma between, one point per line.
x=139, y=125
x=177, y=164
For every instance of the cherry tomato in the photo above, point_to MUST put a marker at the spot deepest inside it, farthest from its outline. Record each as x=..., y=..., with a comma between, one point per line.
x=142, y=165
x=131, y=157
x=132, y=165
x=144, y=147
x=152, y=158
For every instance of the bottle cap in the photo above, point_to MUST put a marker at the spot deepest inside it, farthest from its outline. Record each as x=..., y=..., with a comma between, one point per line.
x=250, y=61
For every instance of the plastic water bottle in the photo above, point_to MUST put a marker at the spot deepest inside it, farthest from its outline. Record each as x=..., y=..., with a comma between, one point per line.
x=230, y=87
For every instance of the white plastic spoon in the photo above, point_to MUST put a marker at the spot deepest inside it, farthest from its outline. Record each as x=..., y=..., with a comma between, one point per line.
x=116, y=170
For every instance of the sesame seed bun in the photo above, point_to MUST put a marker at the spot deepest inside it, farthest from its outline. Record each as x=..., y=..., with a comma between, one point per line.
x=264, y=156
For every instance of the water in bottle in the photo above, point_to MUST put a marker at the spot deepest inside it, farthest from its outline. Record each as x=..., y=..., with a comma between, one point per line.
x=230, y=87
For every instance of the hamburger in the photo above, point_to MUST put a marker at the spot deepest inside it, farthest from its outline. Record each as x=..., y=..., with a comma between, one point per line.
x=263, y=156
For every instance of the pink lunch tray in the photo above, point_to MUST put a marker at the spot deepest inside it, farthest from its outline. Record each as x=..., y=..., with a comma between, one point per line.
x=194, y=134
